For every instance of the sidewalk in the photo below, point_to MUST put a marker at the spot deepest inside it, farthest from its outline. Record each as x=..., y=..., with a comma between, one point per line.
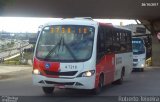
x=9, y=69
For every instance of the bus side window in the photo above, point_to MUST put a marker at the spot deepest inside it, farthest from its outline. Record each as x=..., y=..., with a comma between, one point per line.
x=108, y=40
x=128, y=41
x=100, y=43
x=116, y=41
x=123, y=42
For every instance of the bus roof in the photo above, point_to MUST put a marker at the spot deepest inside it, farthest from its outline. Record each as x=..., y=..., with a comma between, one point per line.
x=111, y=25
x=74, y=21
x=123, y=28
x=82, y=21
x=106, y=24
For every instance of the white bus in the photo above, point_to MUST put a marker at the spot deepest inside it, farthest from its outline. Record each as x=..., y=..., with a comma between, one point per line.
x=81, y=53
x=142, y=51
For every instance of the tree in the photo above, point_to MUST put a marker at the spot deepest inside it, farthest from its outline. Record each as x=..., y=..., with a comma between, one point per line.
x=3, y=47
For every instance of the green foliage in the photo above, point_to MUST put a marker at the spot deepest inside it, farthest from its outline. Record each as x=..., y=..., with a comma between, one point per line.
x=10, y=45
x=28, y=55
x=12, y=42
x=16, y=60
x=12, y=62
x=3, y=46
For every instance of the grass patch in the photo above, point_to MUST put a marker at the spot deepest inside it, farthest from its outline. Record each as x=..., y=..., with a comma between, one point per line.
x=28, y=55
x=17, y=60
x=12, y=62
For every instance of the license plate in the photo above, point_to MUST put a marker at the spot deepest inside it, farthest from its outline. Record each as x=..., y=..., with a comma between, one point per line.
x=60, y=86
x=134, y=64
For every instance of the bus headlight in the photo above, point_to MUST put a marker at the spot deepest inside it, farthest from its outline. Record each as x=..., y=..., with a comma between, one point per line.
x=87, y=73
x=36, y=72
x=142, y=65
x=141, y=59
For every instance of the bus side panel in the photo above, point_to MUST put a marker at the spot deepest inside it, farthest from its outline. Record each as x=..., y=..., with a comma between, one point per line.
x=118, y=65
x=105, y=66
x=123, y=60
x=128, y=62
x=109, y=68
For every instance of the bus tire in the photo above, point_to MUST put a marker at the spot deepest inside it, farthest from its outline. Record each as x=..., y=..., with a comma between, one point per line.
x=120, y=81
x=100, y=85
x=141, y=69
x=48, y=90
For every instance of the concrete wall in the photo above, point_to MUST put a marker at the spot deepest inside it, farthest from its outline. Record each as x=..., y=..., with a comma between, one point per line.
x=155, y=51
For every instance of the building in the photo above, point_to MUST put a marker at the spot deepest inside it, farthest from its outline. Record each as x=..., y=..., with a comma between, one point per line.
x=138, y=29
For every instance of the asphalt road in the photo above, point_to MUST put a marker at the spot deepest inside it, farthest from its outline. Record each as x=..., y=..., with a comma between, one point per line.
x=145, y=83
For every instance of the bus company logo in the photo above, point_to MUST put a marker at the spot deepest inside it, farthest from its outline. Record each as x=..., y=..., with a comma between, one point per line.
x=47, y=65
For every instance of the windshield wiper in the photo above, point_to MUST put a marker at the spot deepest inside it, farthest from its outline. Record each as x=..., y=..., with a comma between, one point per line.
x=69, y=50
x=53, y=49
x=60, y=44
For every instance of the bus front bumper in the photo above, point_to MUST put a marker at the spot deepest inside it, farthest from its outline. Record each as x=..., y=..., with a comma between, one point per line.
x=75, y=83
x=139, y=64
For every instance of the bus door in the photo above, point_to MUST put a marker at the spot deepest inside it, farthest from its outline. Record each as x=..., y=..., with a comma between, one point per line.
x=105, y=57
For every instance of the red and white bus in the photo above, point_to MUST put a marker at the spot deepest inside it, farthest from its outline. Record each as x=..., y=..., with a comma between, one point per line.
x=81, y=54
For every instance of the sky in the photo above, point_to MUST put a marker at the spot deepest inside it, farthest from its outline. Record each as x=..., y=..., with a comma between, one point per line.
x=28, y=24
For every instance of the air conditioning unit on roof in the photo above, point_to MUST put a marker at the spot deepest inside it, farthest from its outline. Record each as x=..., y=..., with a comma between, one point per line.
x=89, y=18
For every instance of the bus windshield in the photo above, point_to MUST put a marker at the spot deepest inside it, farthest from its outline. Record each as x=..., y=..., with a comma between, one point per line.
x=138, y=46
x=65, y=43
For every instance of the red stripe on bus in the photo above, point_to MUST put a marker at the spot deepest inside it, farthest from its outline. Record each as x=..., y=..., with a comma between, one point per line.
x=41, y=65
x=106, y=66
x=35, y=63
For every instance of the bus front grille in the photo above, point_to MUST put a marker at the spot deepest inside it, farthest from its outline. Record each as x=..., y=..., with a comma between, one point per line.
x=135, y=60
x=59, y=83
x=134, y=64
x=70, y=73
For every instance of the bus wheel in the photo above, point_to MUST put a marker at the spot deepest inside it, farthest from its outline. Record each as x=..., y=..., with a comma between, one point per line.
x=141, y=69
x=100, y=85
x=120, y=81
x=48, y=90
